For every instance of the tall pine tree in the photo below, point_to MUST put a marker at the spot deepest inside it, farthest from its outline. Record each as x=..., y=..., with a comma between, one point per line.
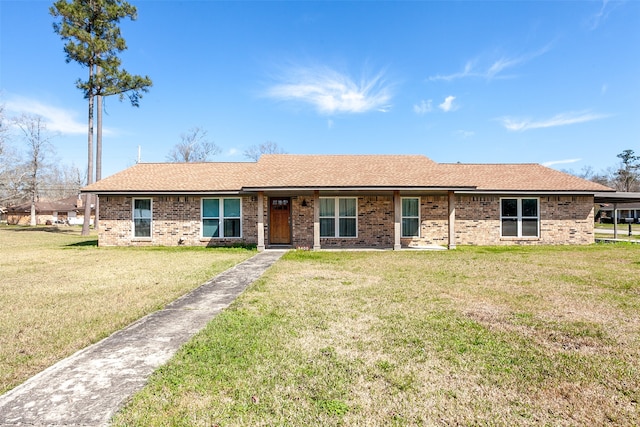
x=93, y=39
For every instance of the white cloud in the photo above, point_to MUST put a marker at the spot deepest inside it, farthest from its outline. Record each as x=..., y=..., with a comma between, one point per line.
x=464, y=134
x=600, y=16
x=330, y=91
x=560, y=162
x=57, y=119
x=492, y=70
x=563, y=119
x=448, y=104
x=423, y=107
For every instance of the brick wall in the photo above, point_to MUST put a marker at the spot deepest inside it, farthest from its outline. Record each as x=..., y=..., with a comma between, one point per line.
x=176, y=221
x=434, y=220
x=567, y=220
x=302, y=221
x=564, y=220
x=375, y=225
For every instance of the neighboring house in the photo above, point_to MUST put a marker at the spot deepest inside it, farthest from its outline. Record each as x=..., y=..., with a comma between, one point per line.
x=344, y=201
x=625, y=212
x=64, y=211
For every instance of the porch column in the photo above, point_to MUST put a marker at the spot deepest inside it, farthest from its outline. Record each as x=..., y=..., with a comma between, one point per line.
x=452, y=220
x=615, y=220
x=316, y=220
x=397, y=222
x=261, y=221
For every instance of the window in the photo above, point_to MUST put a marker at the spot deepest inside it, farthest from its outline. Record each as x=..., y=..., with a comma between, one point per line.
x=142, y=217
x=519, y=217
x=221, y=217
x=411, y=217
x=338, y=217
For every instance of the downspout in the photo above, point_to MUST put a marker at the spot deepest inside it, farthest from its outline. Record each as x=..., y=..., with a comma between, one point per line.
x=397, y=208
x=452, y=220
x=316, y=220
x=261, y=246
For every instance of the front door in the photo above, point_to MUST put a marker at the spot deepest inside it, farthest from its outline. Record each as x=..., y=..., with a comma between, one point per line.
x=279, y=220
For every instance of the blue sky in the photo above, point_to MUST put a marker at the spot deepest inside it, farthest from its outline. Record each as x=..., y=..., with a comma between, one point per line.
x=552, y=82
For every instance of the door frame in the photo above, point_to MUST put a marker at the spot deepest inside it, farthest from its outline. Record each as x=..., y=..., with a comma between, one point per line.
x=288, y=199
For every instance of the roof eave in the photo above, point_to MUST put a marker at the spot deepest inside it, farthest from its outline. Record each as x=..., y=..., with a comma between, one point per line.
x=533, y=192
x=617, y=197
x=353, y=188
x=160, y=192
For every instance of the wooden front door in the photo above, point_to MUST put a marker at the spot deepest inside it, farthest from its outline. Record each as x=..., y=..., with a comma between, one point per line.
x=279, y=220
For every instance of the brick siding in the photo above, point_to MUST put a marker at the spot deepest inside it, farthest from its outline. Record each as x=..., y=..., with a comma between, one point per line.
x=563, y=220
x=375, y=225
x=177, y=220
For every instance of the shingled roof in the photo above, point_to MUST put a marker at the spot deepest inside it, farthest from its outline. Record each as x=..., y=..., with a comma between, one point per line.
x=68, y=204
x=176, y=177
x=350, y=171
x=518, y=177
x=282, y=171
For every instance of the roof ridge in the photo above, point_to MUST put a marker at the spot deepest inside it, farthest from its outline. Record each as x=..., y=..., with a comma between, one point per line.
x=492, y=164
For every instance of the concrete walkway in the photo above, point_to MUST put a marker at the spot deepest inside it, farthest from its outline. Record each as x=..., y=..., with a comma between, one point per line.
x=88, y=388
x=623, y=230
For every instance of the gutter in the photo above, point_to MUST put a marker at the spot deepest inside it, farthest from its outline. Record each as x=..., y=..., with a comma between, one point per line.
x=533, y=192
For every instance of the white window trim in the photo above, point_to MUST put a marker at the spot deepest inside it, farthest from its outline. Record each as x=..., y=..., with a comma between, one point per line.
x=336, y=216
x=402, y=216
x=519, y=217
x=220, y=218
x=133, y=218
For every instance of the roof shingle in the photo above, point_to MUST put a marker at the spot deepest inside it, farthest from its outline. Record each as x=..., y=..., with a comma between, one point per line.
x=337, y=171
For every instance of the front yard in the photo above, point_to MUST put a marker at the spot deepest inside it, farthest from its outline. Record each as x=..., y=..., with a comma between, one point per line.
x=59, y=292
x=475, y=336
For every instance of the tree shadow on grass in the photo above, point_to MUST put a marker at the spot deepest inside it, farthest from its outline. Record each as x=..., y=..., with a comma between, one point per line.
x=47, y=229
x=86, y=243
x=56, y=230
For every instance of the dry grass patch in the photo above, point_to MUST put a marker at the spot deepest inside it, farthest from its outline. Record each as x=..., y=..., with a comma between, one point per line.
x=476, y=336
x=59, y=292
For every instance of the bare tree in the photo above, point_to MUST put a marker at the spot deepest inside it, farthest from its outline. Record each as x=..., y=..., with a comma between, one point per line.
x=3, y=131
x=194, y=146
x=38, y=142
x=255, y=151
x=5, y=160
x=61, y=181
x=13, y=177
x=604, y=177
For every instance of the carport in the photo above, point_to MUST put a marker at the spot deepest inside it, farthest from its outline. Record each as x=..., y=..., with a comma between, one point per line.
x=615, y=199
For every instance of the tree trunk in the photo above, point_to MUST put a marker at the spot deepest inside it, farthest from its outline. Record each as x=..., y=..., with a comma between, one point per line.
x=33, y=212
x=87, y=207
x=96, y=221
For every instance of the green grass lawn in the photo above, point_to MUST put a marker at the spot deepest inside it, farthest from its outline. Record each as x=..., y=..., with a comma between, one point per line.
x=623, y=231
x=621, y=227
x=476, y=336
x=59, y=292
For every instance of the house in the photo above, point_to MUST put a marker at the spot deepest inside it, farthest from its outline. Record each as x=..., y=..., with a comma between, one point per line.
x=62, y=211
x=625, y=212
x=344, y=201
